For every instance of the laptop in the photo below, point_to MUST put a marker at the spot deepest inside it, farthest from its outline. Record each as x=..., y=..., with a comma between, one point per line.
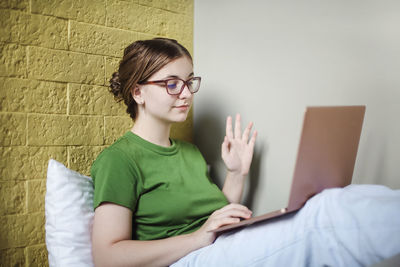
x=325, y=159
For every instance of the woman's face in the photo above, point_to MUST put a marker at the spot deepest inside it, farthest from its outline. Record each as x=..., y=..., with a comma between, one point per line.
x=157, y=103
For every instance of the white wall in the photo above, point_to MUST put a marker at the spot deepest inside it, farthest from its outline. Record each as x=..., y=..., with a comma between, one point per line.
x=268, y=60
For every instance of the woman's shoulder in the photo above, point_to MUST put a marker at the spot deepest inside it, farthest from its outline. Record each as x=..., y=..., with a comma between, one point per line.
x=122, y=151
x=116, y=149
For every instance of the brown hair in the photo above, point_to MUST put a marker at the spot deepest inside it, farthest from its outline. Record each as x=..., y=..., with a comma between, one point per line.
x=141, y=60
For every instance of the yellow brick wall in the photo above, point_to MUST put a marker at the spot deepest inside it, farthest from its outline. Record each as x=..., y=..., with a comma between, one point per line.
x=56, y=57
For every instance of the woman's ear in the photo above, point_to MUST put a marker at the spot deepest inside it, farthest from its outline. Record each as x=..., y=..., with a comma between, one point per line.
x=137, y=95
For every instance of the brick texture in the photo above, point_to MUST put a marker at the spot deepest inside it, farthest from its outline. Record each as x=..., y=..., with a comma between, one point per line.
x=95, y=39
x=32, y=96
x=20, y=27
x=93, y=100
x=56, y=58
x=12, y=197
x=37, y=256
x=14, y=4
x=79, y=10
x=35, y=195
x=111, y=66
x=65, y=130
x=12, y=257
x=12, y=60
x=132, y=16
x=28, y=162
x=179, y=6
x=22, y=230
x=12, y=129
x=63, y=66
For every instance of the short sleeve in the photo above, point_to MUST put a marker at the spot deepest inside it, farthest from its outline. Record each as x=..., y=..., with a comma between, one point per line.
x=115, y=179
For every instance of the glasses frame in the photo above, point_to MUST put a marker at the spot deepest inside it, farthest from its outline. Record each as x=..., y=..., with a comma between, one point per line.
x=157, y=82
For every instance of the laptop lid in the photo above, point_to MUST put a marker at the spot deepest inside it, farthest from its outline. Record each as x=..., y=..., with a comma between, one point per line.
x=327, y=151
x=325, y=159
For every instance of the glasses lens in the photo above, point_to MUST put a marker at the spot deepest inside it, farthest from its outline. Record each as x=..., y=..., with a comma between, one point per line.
x=194, y=84
x=174, y=86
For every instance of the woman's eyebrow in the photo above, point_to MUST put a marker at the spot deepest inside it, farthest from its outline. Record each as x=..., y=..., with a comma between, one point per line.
x=171, y=76
x=175, y=76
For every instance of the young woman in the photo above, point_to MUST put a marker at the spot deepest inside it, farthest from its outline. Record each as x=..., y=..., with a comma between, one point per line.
x=154, y=202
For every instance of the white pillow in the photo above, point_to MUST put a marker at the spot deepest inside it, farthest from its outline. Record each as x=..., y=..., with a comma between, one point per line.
x=69, y=216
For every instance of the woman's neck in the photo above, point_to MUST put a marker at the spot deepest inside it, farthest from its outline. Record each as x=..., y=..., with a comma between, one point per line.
x=153, y=131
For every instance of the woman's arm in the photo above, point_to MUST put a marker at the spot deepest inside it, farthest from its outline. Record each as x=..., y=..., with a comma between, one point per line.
x=237, y=153
x=112, y=233
x=233, y=187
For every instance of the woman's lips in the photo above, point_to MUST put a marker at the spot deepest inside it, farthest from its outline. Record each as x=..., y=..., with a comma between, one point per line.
x=182, y=107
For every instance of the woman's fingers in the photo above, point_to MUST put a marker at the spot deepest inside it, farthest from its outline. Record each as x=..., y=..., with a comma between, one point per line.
x=237, y=132
x=245, y=137
x=233, y=207
x=253, y=139
x=238, y=127
x=224, y=221
x=229, y=132
x=230, y=206
x=228, y=215
x=235, y=213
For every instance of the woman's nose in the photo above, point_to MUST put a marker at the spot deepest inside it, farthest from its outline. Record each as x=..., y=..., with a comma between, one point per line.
x=185, y=93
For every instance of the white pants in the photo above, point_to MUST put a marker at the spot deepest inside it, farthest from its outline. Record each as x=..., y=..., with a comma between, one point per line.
x=354, y=226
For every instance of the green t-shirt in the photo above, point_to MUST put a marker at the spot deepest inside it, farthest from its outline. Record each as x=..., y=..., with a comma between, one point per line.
x=167, y=188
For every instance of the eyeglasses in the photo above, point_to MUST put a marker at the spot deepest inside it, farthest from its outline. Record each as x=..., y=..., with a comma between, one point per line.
x=175, y=86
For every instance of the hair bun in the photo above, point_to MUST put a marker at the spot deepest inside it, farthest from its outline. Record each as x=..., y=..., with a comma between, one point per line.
x=115, y=85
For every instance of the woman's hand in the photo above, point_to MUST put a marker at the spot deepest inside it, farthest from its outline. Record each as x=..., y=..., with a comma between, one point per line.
x=237, y=150
x=227, y=215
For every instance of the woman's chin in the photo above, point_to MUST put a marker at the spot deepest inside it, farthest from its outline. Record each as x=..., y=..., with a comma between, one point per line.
x=181, y=118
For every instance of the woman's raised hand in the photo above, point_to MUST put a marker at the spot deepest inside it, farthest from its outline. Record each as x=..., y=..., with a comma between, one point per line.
x=237, y=149
x=229, y=214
